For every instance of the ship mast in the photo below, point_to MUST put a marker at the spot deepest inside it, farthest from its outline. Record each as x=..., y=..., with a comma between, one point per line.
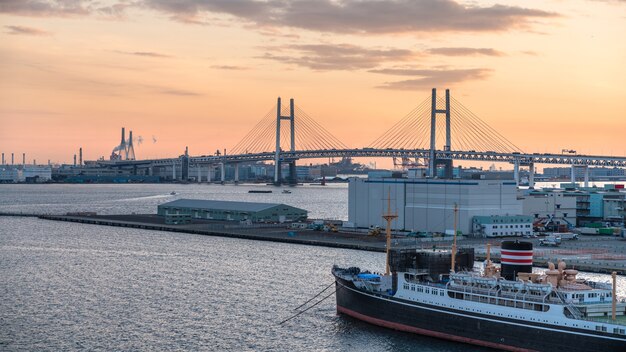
x=389, y=217
x=614, y=301
x=454, y=241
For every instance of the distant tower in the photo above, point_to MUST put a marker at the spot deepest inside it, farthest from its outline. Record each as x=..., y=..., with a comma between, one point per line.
x=74, y=159
x=130, y=150
x=2, y=158
x=80, y=156
x=23, y=159
x=123, y=149
x=184, y=165
x=12, y=159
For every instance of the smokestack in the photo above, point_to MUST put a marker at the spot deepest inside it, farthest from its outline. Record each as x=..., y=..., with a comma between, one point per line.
x=186, y=151
x=34, y=161
x=23, y=159
x=80, y=156
x=74, y=159
x=48, y=162
x=2, y=158
x=12, y=160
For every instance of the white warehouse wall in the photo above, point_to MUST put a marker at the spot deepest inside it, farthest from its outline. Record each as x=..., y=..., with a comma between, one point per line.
x=428, y=204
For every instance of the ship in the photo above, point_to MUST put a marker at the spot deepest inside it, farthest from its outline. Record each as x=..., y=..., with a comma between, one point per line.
x=439, y=293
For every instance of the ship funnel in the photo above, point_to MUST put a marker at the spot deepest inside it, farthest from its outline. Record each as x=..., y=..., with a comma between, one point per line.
x=516, y=257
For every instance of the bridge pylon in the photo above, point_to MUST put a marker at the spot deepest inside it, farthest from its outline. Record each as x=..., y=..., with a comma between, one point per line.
x=277, y=156
x=432, y=161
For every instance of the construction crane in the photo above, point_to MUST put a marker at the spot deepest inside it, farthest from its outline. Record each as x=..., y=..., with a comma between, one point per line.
x=405, y=163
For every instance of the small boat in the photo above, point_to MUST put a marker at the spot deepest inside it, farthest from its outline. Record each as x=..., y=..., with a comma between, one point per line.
x=259, y=191
x=173, y=193
x=286, y=191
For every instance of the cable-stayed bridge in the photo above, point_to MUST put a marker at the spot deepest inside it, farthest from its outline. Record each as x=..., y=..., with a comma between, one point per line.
x=439, y=130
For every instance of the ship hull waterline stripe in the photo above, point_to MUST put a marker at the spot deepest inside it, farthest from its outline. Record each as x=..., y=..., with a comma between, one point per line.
x=458, y=312
x=407, y=328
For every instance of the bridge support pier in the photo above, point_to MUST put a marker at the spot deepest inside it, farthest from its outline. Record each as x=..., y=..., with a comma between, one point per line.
x=150, y=170
x=293, y=176
x=174, y=171
x=531, y=175
x=432, y=163
x=222, y=173
x=199, y=170
x=573, y=174
x=236, y=173
x=279, y=117
x=208, y=174
x=516, y=172
x=586, y=176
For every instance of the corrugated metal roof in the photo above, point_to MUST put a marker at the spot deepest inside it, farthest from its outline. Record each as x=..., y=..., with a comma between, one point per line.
x=221, y=205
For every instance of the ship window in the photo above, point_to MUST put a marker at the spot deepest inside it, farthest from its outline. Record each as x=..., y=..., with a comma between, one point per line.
x=427, y=290
x=412, y=288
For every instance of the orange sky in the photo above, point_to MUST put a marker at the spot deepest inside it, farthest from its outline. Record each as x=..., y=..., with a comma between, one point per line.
x=547, y=75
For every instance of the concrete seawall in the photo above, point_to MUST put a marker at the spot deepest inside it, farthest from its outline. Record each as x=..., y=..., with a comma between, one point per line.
x=357, y=241
x=260, y=234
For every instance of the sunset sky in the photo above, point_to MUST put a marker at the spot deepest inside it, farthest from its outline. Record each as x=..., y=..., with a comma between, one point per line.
x=548, y=75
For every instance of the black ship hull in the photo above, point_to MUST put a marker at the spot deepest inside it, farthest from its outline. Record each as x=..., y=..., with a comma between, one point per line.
x=467, y=327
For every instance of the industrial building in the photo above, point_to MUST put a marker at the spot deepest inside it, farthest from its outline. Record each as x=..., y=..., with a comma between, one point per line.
x=25, y=173
x=579, y=173
x=550, y=204
x=577, y=205
x=232, y=211
x=427, y=204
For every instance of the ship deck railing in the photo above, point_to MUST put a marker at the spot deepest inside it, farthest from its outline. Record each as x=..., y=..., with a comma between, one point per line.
x=497, y=292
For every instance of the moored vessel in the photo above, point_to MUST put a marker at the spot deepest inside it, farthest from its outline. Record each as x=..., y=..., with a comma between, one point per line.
x=437, y=292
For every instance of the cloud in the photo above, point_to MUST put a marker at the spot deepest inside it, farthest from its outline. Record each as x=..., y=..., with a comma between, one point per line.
x=325, y=57
x=179, y=92
x=465, y=52
x=331, y=16
x=56, y=8
x=229, y=67
x=21, y=30
x=428, y=78
x=359, y=16
x=144, y=53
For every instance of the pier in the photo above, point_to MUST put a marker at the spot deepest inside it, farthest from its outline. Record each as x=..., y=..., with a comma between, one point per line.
x=601, y=254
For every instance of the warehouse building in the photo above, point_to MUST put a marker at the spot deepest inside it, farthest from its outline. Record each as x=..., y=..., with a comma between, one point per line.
x=232, y=211
x=427, y=205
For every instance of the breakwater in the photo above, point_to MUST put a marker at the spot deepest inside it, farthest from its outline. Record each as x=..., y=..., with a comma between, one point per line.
x=356, y=241
x=260, y=233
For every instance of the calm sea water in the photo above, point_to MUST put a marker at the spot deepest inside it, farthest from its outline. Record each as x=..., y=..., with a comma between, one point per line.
x=66, y=286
